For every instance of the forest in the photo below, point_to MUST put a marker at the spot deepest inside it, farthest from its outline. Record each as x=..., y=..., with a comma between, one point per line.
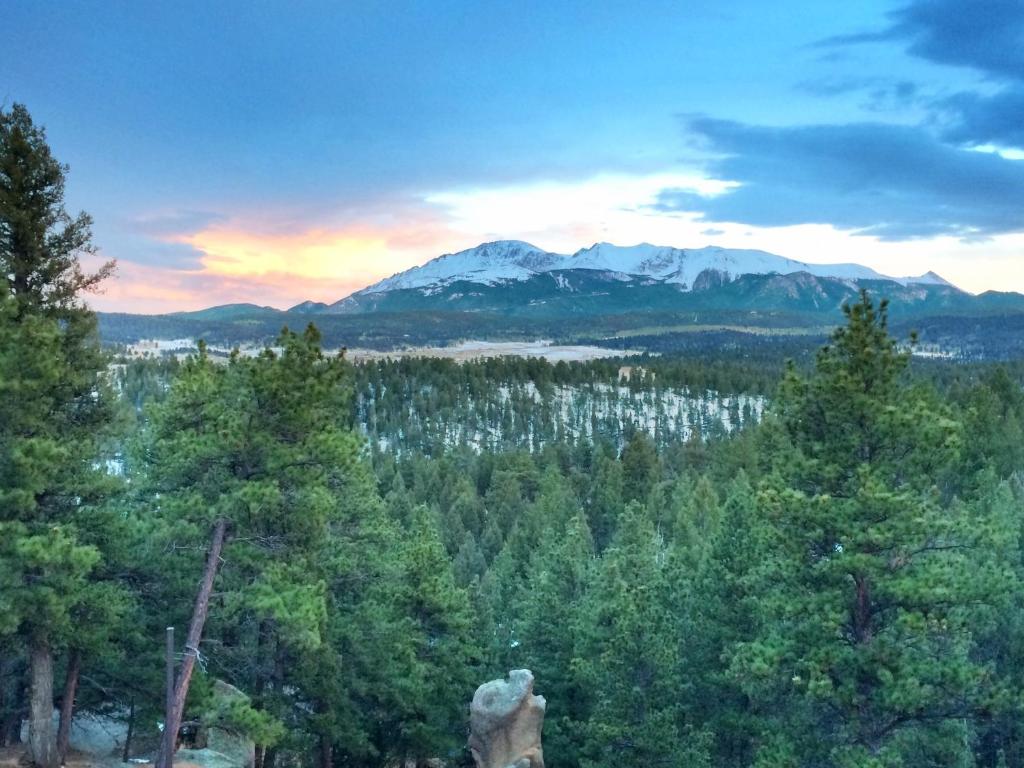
x=827, y=572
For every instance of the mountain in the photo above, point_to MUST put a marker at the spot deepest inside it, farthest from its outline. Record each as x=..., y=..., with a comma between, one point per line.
x=511, y=276
x=227, y=312
x=684, y=266
x=308, y=307
x=486, y=264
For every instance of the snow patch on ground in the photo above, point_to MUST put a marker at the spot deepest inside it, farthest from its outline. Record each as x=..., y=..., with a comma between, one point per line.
x=476, y=349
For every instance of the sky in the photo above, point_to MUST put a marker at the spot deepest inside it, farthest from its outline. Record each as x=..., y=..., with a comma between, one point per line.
x=274, y=152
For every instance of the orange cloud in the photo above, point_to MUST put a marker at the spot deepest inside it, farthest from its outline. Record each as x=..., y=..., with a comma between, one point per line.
x=156, y=290
x=263, y=265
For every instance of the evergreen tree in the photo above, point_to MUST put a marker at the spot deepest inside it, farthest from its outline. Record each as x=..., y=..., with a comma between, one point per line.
x=721, y=610
x=639, y=467
x=54, y=409
x=875, y=580
x=628, y=657
x=549, y=608
x=437, y=658
x=257, y=458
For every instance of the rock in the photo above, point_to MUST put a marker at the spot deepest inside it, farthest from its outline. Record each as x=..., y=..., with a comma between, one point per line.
x=505, y=721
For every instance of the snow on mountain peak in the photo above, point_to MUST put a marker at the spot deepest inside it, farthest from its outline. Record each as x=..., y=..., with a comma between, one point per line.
x=514, y=260
x=683, y=265
x=487, y=263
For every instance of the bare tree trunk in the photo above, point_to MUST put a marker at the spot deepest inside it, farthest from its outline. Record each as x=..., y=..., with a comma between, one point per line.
x=195, y=634
x=326, y=752
x=127, y=753
x=258, y=760
x=41, y=744
x=67, y=705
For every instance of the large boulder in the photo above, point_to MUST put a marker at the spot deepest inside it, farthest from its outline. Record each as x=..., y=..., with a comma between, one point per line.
x=505, y=721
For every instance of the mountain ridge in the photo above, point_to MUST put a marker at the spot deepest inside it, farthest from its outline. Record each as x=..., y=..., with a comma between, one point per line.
x=511, y=261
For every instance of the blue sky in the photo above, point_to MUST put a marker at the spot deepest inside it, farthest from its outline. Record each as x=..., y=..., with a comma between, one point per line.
x=272, y=152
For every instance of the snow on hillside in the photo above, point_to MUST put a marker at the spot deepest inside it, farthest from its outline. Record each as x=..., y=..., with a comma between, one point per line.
x=515, y=260
x=669, y=415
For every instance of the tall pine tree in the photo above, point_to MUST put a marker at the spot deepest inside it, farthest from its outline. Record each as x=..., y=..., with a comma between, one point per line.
x=53, y=410
x=875, y=579
x=257, y=459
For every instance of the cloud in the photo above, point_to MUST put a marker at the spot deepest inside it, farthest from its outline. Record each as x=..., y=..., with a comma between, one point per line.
x=190, y=259
x=567, y=214
x=889, y=181
x=324, y=257
x=160, y=253
x=237, y=261
x=975, y=119
x=154, y=239
x=883, y=94
x=156, y=290
x=982, y=34
x=176, y=222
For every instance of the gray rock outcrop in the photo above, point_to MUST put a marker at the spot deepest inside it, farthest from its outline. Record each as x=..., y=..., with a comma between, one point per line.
x=505, y=723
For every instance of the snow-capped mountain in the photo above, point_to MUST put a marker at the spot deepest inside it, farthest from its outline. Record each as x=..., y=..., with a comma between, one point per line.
x=684, y=265
x=486, y=264
x=514, y=260
x=514, y=277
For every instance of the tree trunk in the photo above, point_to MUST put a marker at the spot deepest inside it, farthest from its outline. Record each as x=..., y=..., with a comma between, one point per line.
x=10, y=725
x=195, y=634
x=127, y=753
x=67, y=705
x=42, y=747
x=326, y=752
x=862, y=611
x=12, y=707
x=10, y=729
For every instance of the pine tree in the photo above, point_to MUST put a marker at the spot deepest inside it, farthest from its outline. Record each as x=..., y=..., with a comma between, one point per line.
x=438, y=651
x=876, y=579
x=53, y=410
x=549, y=609
x=721, y=608
x=257, y=458
x=628, y=657
x=640, y=467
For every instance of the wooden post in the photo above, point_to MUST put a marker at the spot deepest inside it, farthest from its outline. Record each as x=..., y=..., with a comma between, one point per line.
x=127, y=753
x=168, y=742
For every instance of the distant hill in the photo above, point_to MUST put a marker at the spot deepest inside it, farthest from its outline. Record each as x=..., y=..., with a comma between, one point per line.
x=227, y=312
